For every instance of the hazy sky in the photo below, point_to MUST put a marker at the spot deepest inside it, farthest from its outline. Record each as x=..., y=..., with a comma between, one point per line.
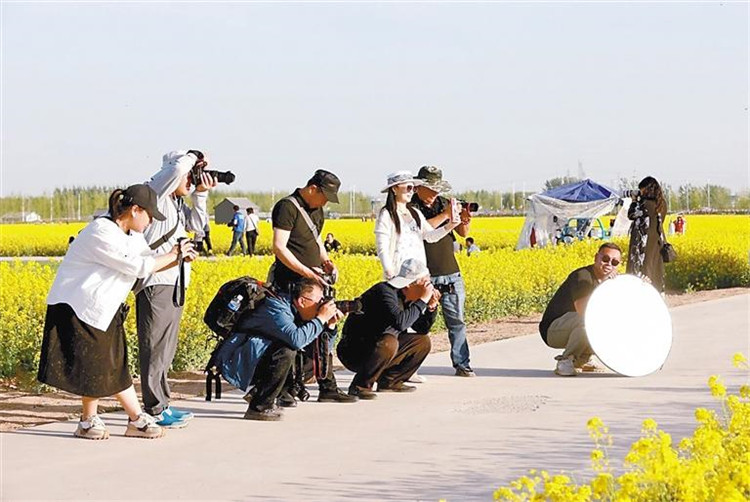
x=497, y=94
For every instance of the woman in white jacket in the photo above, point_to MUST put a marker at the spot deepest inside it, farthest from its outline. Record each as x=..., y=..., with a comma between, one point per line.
x=83, y=349
x=400, y=230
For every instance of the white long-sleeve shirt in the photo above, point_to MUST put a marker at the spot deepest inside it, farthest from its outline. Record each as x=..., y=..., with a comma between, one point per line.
x=99, y=270
x=394, y=249
x=165, y=182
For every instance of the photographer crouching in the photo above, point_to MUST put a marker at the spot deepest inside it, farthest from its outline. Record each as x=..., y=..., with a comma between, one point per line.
x=262, y=351
x=377, y=344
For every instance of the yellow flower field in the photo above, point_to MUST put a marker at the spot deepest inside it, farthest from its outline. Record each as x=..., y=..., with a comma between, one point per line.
x=500, y=281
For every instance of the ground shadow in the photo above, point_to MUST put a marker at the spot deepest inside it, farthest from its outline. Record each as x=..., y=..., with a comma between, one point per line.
x=510, y=372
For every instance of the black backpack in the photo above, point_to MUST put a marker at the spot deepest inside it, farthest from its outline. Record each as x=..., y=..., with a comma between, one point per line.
x=223, y=314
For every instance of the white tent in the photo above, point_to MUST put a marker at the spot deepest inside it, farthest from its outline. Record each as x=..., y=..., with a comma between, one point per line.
x=548, y=211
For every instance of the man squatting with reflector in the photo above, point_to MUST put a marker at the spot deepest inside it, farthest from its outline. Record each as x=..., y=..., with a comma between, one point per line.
x=562, y=324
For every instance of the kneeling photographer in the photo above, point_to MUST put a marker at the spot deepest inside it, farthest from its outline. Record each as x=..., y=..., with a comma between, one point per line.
x=266, y=342
x=377, y=344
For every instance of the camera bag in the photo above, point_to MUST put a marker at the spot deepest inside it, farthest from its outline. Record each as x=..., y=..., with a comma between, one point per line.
x=221, y=318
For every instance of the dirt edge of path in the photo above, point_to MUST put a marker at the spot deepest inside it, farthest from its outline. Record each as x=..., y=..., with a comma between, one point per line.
x=23, y=409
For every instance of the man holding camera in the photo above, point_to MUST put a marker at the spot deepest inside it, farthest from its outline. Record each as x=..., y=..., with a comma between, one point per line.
x=160, y=296
x=262, y=351
x=562, y=323
x=441, y=261
x=377, y=344
x=297, y=221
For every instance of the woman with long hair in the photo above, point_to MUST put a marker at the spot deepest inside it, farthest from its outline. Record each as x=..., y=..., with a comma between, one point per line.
x=83, y=349
x=400, y=230
x=648, y=211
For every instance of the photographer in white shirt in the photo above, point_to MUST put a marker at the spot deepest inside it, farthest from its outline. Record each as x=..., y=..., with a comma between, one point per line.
x=83, y=349
x=158, y=305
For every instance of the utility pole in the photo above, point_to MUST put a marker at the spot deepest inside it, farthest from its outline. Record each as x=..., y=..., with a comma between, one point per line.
x=708, y=193
x=51, y=215
x=79, y=205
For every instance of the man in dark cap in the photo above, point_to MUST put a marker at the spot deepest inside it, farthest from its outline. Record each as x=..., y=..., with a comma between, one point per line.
x=444, y=271
x=297, y=221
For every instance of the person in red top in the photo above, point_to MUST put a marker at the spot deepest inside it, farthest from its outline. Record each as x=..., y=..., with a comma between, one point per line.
x=679, y=225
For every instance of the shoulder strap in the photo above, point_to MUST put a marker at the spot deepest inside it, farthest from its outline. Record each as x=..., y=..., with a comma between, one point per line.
x=305, y=216
x=164, y=238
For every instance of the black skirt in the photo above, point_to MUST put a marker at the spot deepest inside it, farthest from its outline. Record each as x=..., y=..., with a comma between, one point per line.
x=81, y=359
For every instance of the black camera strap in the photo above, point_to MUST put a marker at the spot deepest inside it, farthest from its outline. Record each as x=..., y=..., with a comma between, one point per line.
x=178, y=294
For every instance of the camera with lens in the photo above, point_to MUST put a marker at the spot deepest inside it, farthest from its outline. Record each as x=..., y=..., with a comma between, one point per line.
x=349, y=306
x=472, y=207
x=200, y=167
x=446, y=289
x=633, y=194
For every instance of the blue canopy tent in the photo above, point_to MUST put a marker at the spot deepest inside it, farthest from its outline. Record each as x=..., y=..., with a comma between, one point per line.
x=548, y=211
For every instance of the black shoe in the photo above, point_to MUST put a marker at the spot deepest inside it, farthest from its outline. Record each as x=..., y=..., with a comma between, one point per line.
x=336, y=396
x=465, y=372
x=286, y=400
x=249, y=396
x=396, y=387
x=273, y=414
x=362, y=393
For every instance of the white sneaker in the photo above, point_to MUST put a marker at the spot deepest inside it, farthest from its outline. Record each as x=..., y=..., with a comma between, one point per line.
x=144, y=427
x=415, y=378
x=565, y=366
x=93, y=428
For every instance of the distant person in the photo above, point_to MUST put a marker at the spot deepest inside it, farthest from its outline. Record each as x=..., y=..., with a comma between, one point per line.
x=562, y=324
x=251, y=230
x=647, y=211
x=238, y=230
x=471, y=247
x=83, y=348
x=331, y=244
x=207, y=247
x=680, y=225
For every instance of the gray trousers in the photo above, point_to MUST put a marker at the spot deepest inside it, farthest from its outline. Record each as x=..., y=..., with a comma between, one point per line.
x=568, y=332
x=158, y=323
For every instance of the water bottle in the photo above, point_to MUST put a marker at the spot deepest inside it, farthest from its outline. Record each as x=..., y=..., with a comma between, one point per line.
x=226, y=317
x=234, y=303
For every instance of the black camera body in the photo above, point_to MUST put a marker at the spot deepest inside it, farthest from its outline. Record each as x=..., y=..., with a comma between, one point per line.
x=633, y=194
x=446, y=289
x=472, y=207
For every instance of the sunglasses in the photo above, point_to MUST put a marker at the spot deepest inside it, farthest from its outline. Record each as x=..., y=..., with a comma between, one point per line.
x=408, y=188
x=607, y=259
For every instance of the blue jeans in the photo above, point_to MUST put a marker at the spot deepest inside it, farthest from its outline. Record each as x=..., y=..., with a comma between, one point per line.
x=453, y=314
x=237, y=237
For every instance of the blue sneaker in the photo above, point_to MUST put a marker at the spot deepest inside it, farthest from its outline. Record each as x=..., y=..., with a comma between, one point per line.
x=180, y=414
x=168, y=421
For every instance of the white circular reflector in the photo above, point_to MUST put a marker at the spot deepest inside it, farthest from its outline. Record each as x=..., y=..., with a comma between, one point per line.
x=628, y=326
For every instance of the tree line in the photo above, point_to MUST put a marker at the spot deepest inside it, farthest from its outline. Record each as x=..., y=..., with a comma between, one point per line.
x=80, y=203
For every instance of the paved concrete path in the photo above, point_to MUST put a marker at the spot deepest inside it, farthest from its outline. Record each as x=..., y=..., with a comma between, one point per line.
x=454, y=438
